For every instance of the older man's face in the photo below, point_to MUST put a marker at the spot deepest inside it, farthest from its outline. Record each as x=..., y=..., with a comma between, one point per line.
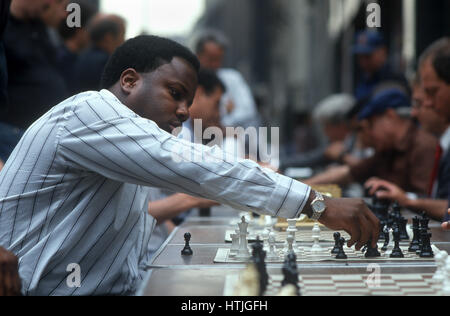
x=436, y=91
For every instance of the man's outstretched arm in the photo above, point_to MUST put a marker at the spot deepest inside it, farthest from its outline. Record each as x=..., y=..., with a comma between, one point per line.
x=10, y=284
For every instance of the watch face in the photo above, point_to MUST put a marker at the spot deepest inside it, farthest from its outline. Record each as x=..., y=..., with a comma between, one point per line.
x=319, y=206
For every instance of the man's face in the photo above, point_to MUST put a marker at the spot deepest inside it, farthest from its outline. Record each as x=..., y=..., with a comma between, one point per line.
x=165, y=95
x=54, y=12
x=206, y=107
x=211, y=56
x=428, y=118
x=380, y=131
x=436, y=91
x=371, y=63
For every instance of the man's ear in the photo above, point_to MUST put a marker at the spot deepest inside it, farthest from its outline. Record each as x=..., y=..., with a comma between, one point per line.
x=129, y=80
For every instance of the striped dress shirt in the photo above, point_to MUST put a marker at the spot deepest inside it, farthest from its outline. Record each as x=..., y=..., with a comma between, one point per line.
x=76, y=190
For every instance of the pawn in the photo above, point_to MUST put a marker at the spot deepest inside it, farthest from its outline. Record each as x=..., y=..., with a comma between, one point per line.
x=187, y=251
x=397, y=251
x=341, y=255
x=372, y=252
x=337, y=239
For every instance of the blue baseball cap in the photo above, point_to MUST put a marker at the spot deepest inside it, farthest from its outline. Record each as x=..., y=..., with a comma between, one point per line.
x=367, y=42
x=384, y=100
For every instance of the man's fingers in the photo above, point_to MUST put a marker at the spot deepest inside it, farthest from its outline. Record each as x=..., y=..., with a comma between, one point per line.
x=446, y=226
x=365, y=232
x=355, y=233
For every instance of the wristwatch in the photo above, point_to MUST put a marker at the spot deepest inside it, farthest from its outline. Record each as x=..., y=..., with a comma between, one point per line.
x=318, y=206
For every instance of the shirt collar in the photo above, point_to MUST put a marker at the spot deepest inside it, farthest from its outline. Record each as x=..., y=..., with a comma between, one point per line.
x=445, y=140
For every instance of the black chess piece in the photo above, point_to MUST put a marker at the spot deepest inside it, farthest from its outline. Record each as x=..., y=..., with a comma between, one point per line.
x=290, y=272
x=397, y=251
x=403, y=231
x=337, y=238
x=187, y=251
x=386, y=238
x=423, y=230
x=341, y=255
x=415, y=243
x=372, y=252
x=426, y=251
x=258, y=258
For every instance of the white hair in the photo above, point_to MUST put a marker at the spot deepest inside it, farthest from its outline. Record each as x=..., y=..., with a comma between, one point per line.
x=334, y=109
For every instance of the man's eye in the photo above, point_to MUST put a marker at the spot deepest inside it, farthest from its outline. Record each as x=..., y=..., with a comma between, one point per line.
x=175, y=94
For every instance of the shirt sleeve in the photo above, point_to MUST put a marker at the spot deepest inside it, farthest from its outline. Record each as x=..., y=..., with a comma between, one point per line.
x=136, y=150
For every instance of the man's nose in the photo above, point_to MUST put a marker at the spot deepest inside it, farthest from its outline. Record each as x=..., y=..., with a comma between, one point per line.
x=183, y=111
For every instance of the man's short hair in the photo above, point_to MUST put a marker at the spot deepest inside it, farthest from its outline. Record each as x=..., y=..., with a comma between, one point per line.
x=210, y=81
x=113, y=25
x=439, y=54
x=144, y=54
x=207, y=36
x=334, y=109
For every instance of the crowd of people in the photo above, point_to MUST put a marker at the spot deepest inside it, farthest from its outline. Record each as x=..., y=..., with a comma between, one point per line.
x=87, y=121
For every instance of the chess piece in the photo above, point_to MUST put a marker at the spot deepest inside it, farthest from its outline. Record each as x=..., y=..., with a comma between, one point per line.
x=243, y=253
x=272, y=247
x=337, y=239
x=187, y=251
x=446, y=284
x=258, y=258
x=397, y=251
x=265, y=236
x=290, y=272
x=341, y=254
x=316, y=248
x=415, y=243
x=387, y=239
x=292, y=229
x=441, y=259
x=426, y=251
x=234, y=244
x=288, y=290
x=372, y=252
x=290, y=243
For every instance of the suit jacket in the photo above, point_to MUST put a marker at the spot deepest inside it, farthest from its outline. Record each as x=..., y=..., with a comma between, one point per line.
x=444, y=178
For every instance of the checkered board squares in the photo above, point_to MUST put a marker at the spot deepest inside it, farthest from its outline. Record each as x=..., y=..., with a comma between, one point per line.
x=304, y=255
x=351, y=285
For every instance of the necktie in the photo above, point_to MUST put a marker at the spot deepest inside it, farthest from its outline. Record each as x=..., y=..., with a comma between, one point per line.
x=434, y=175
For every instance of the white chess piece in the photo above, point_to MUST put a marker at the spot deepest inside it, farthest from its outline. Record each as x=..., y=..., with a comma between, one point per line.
x=316, y=238
x=265, y=236
x=446, y=284
x=290, y=243
x=272, y=254
x=243, y=252
x=292, y=229
x=441, y=259
x=234, y=244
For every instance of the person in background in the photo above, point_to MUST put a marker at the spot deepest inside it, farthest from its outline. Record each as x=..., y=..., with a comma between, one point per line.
x=34, y=82
x=433, y=98
x=75, y=41
x=10, y=283
x=333, y=115
x=107, y=32
x=372, y=58
x=446, y=224
x=402, y=150
x=238, y=105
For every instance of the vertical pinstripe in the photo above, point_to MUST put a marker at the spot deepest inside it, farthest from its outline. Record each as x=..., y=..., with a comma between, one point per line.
x=76, y=190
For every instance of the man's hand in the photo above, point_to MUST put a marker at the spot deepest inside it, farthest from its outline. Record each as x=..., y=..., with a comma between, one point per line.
x=334, y=151
x=354, y=217
x=10, y=283
x=387, y=190
x=446, y=225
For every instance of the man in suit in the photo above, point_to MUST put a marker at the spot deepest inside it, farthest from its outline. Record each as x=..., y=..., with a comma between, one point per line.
x=434, y=95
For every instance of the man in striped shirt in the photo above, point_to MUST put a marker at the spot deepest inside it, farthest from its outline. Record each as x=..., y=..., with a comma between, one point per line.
x=74, y=193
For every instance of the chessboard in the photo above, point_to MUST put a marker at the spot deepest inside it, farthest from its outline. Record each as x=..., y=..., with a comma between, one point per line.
x=302, y=235
x=305, y=255
x=351, y=285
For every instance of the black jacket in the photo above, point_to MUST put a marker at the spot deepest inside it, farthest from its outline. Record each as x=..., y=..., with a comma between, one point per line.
x=4, y=13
